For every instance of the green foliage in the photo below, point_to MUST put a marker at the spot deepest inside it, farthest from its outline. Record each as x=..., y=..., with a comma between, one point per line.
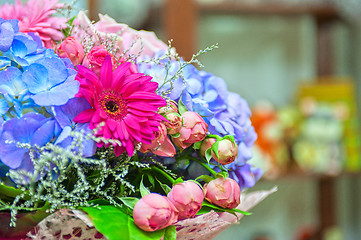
x=143, y=190
x=129, y=201
x=206, y=207
x=209, y=154
x=113, y=223
x=205, y=178
x=165, y=187
x=170, y=233
x=181, y=107
x=64, y=178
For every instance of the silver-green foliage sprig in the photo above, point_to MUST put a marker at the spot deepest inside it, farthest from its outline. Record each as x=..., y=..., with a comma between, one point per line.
x=62, y=177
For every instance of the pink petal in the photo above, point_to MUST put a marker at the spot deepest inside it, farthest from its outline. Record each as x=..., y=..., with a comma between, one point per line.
x=106, y=72
x=111, y=124
x=85, y=116
x=166, y=149
x=129, y=89
x=134, y=134
x=129, y=148
x=118, y=75
x=142, y=106
x=124, y=129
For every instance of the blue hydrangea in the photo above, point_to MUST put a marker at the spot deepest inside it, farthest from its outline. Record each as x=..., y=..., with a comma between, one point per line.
x=245, y=174
x=31, y=128
x=8, y=29
x=64, y=115
x=37, y=90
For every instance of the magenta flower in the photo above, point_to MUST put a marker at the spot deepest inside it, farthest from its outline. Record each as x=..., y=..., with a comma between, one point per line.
x=126, y=102
x=187, y=197
x=153, y=212
x=37, y=16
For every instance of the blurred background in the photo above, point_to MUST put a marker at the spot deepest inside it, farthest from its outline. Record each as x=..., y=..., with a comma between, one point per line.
x=298, y=64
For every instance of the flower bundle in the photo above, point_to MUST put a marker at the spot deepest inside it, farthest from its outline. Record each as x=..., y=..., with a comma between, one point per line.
x=105, y=119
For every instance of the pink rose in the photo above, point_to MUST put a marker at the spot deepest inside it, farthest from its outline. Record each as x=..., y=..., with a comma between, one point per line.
x=223, y=192
x=161, y=144
x=170, y=108
x=227, y=150
x=151, y=44
x=153, y=212
x=175, y=121
x=127, y=36
x=95, y=58
x=206, y=144
x=194, y=130
x=187, y=197
x=72, y=49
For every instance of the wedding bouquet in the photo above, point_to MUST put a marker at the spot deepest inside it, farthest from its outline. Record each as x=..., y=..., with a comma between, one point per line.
x=110, y=124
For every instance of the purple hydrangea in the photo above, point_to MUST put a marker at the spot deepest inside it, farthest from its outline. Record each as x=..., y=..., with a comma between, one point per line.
x=226, y=113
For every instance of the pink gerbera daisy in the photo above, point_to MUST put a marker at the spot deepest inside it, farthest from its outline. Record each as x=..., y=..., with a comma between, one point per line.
x=126, y=102
x=36, y=16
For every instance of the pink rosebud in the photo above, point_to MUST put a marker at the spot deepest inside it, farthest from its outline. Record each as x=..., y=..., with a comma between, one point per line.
x=223, y=192
x=72, y=49
x=170, y=108
x=187, y=197
x=95, y=58
x=153, y=212
x=175, y=123
x=194, y=130
x=227, y=152
x=206, y=144
x=161, y=144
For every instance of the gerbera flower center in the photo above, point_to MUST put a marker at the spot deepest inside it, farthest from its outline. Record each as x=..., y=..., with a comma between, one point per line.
x=113, y=105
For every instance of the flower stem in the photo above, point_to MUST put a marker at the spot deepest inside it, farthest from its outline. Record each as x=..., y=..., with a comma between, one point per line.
x=167, y=176
x=214, y=173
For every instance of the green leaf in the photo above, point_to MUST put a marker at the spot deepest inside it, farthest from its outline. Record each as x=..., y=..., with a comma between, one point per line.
x=208, y=154
x=197, y=145
x=151, y=179
x=222, y=174
x=143, y=190
x=115, y=224
x=170, y=233
x=220, y=209
x=215, y=148
x=178, y=180
x=129, y=201
x=176, y=135
x=230, y=138
x=181, y=107
x=165, y=187
x=99, y=201
x=7, y=192
x=205, y=178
